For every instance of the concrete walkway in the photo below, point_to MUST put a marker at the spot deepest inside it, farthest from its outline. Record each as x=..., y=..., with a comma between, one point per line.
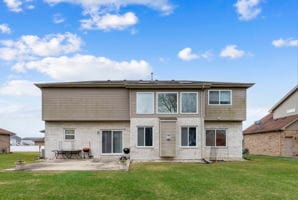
x=72, y=165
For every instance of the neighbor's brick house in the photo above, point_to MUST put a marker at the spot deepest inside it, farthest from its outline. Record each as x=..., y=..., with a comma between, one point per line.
x=277, y=133
x=157, y=120
x=5, y=140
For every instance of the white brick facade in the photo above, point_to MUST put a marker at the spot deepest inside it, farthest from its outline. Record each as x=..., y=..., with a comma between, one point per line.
x=89, y=134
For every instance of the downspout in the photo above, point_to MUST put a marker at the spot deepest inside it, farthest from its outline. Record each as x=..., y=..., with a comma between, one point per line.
x=202, y=121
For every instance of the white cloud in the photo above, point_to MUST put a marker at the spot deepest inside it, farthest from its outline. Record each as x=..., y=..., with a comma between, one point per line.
x=18, y=5
x=4, y=28
x=14, y=5
x=19, y=88
x=88, y=67
x=108, y=22
x=231, y=51
x=58, y=19
x=23, y=119
x=31, y=46
x=187, y=55
x=248, y=9
x=285, y=42
x=104, y=14
x=88, y=5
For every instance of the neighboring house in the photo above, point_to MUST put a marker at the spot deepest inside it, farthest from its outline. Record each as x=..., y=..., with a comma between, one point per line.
x=5, y=140
x=15, y=140
x=157, y=120
x=277, y=133
x=30, y=141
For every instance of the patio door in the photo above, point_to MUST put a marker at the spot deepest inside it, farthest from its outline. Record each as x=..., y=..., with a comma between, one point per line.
x=111, y=142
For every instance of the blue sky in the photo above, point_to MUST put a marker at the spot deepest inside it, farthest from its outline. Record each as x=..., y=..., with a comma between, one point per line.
x=217, y=40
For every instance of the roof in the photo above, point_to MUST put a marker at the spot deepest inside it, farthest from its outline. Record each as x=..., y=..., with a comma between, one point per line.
x=35, y=139
x=284, y=98
x=268, y=124
x=5, y=132
x=144, y=84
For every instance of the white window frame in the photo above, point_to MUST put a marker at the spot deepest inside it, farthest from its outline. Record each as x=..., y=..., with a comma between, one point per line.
x=157, y=93
x=64, y=134
x=188, y=126
x=112, y=130
x=215, y=129
x=197, y=111
x=144, y=137
x=153, y=111
x=219, y=104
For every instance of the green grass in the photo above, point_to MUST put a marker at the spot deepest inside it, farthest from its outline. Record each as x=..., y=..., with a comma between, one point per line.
x=260, y=178
x=9, y=160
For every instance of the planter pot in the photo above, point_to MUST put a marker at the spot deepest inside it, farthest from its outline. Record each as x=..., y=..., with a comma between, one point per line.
x=123, y=166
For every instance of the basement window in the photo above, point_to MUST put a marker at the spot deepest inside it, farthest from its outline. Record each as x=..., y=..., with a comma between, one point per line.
x=216, y=137
x=188, y=136
x=145, y=137
x=69, y=134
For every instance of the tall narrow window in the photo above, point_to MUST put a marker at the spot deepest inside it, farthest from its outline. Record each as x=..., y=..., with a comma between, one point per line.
x=220, y=97
x=188, y=136
x=145, y=136
x=69, y=134
x=145, y=102
x=216, y=137
x=189, y=102
x=167, y=102
x=111, y=141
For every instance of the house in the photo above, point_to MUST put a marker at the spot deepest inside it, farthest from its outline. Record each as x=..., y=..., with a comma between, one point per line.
x=277, y=133
x=5, y=140
x=157, y=120
x=33, y=141
x=15, y=140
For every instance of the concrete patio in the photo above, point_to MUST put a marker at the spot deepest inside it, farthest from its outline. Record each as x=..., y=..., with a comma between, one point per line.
x=71, y=165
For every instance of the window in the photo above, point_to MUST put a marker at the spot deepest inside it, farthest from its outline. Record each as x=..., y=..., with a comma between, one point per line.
x=188, y=136
x=167, y=102
x=189, y=102
x=69, y=134
x=145, y=136
x=216, y=137
x=220, y=97
x=111, y=141
x=145, y=102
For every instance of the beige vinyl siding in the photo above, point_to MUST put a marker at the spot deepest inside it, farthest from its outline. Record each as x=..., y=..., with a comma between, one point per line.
x=234, y=112
x=293, y=127
x=288, y=107
x=85, y=104
x=133, y=105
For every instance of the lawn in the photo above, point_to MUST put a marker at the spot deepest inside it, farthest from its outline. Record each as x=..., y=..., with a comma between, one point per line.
x=260, y=178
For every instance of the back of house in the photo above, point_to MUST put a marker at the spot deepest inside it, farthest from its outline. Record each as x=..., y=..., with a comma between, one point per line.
x=277, y=133
x=157, y=120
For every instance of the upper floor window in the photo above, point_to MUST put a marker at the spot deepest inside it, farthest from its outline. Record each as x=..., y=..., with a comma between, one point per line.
x=145, y=102
x=167, y=102
x=69, y=134
x=216, y=137
x=220, y=97
x=189, y=102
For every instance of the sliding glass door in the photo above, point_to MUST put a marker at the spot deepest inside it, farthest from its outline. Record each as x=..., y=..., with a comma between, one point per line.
x=111, y=141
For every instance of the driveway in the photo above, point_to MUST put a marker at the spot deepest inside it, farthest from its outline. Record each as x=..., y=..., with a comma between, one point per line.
x=72, y=165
